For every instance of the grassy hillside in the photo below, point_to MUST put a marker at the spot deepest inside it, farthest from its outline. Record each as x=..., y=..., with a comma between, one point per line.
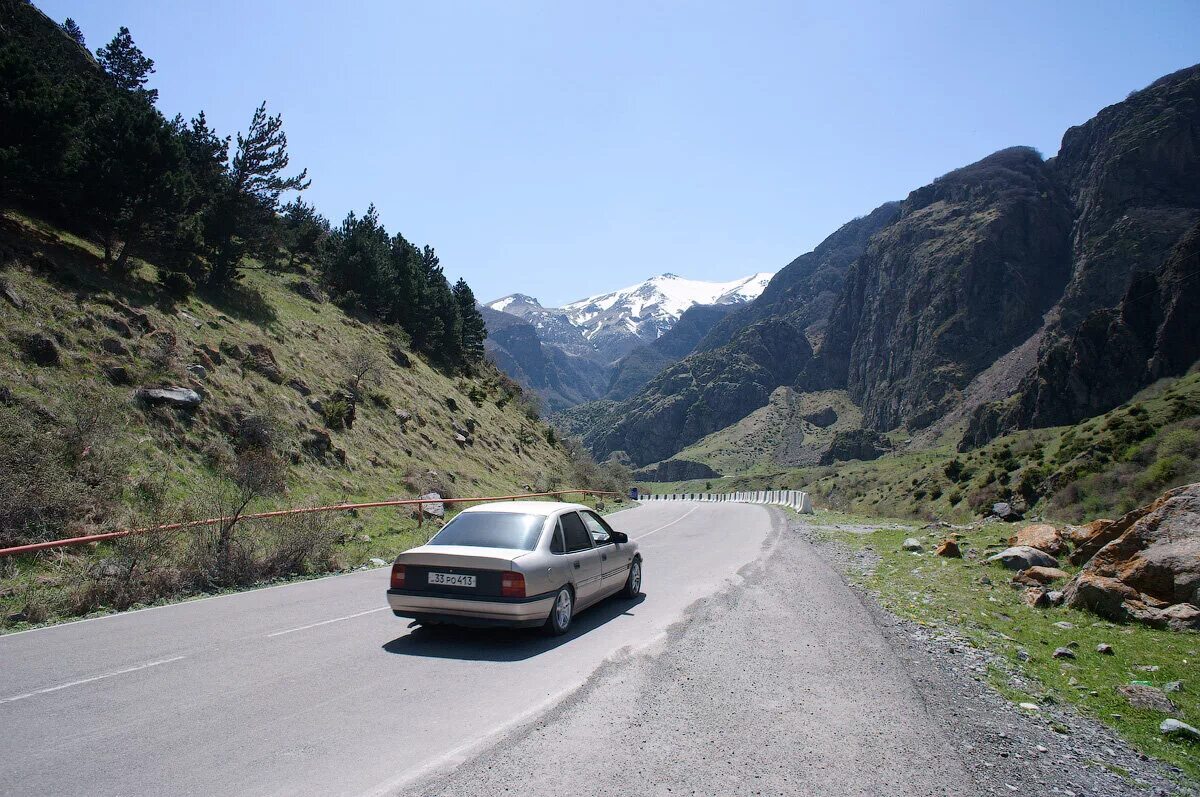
x=271, y=357
x=787, y=432
x=1104, y=466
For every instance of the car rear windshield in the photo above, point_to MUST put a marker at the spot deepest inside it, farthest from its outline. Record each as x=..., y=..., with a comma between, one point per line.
x=492, y=530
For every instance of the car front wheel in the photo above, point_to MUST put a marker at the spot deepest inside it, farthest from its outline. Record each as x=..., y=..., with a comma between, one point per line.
x=560, y=614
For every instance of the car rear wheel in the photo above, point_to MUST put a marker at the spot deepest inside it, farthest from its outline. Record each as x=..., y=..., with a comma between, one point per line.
x=560, y=614
x=633, y=582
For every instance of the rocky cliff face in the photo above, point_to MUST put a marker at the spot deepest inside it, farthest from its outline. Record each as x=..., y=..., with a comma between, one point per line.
x=1133, y=177
x=806, y=289
x=1151, y=334
x=1132, y=174
x=962, y=276
x=646, y=362
x=559, y=379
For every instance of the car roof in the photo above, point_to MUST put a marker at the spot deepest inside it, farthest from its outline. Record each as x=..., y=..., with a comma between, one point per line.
x=546, y=508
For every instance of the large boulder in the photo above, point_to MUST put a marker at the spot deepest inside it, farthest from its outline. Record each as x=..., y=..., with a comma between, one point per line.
x=1040, y=576
x=1023, y=557
x=432, y=505
x=1091, y=537
x=38, y=347
x=1151, y=571
x=1006, y=512
x=179, y=397
x=1042, y=536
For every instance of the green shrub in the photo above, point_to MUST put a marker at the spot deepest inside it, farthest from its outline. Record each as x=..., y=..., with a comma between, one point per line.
x=1160, y=473
x=1179, y=442
x=335, y=413
x=177, y=284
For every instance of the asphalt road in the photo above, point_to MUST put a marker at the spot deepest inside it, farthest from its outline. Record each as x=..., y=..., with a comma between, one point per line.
x=315, y=688
x=782, y=684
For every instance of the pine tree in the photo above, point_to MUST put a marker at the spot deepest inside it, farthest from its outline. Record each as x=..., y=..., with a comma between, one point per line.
x=127, y=65
x=474, y=331
x=303, y=231
x=246, y=222
x=71, y=29
x=356, y=263
x=131, y=182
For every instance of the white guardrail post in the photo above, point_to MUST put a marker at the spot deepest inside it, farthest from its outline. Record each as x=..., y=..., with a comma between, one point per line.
x=796, y=499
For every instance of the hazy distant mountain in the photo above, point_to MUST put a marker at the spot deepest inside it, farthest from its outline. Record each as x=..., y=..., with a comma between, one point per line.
x=609, y=326
x=569, y=355
x=621, y=320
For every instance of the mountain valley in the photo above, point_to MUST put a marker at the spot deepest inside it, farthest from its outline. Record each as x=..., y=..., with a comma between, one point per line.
x=1017, y=293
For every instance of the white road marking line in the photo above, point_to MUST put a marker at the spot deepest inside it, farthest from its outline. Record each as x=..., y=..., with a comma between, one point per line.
x=672, y=523
x=326, y=622
x=135, y=668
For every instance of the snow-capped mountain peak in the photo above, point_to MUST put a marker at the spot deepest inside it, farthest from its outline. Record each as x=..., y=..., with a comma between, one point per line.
x=514, y=303
x=609, y=325
x=650, y=308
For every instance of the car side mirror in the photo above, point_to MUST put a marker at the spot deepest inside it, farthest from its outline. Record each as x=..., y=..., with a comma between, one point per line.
x=619, y=537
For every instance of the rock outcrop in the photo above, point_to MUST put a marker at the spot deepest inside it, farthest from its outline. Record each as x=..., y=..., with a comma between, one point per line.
x=1149, y=572
x=1042, y=536
x=862, y=444
x=675, y=470
x=180, y=397
x=1114, y=352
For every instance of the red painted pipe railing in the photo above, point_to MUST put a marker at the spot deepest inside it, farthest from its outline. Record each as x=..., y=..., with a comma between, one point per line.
x=112, y=535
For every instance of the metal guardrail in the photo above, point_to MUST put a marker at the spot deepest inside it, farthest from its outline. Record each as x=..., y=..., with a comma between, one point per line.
x=795, y=499
x=418, y=502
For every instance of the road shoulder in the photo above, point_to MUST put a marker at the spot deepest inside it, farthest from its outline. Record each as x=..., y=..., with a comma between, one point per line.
x=781, y=683
x=1005, y=749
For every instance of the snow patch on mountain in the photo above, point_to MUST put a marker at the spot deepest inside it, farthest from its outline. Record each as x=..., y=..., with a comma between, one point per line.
x=658, y=302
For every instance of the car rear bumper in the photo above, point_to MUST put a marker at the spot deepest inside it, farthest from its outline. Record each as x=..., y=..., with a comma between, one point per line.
x=470, y=611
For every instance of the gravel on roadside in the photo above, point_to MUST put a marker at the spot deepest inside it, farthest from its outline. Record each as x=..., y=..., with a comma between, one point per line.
x=1006, y=749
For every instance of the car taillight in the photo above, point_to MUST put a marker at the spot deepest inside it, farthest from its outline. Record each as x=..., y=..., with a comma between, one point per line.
x=512, y=585
x=397, y=576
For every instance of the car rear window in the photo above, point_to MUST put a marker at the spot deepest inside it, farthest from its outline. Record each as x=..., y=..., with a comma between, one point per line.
x=492, y=530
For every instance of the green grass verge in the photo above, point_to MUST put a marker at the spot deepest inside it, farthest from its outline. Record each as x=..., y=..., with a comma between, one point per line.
x=949, y=593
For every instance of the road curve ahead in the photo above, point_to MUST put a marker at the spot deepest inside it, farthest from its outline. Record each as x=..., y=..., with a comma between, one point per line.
x=314, y=687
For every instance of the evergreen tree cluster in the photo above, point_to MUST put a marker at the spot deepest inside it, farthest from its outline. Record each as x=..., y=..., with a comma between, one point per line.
x=83, y=144
x=395, y=281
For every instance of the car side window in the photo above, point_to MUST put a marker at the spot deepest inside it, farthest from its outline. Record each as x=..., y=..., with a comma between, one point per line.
x=556, y=542
x=597, y=527
x=575, y=534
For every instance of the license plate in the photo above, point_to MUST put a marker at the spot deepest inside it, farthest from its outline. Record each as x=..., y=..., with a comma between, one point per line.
x=451, y=579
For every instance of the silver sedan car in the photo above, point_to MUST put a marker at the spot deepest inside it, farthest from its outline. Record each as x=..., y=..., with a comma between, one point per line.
x=518, y=563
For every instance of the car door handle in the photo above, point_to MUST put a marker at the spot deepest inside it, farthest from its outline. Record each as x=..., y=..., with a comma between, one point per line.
x=577, y=565
x=604, y=557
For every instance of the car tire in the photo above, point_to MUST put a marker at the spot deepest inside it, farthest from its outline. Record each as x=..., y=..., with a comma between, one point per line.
x=633, y=582
x=559, y=621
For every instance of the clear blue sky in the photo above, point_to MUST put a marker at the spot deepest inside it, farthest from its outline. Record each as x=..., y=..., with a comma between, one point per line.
x=562, y=149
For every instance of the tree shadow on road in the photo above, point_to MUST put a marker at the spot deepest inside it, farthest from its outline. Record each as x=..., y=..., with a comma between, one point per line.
x=503, y=644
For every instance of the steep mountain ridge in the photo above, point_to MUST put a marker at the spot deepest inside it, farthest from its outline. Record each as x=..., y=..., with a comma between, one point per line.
x=648, y=360
x=647, y=310
x=559, y=378
x=963, y=275
x=906, y=307
x=739, y=362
